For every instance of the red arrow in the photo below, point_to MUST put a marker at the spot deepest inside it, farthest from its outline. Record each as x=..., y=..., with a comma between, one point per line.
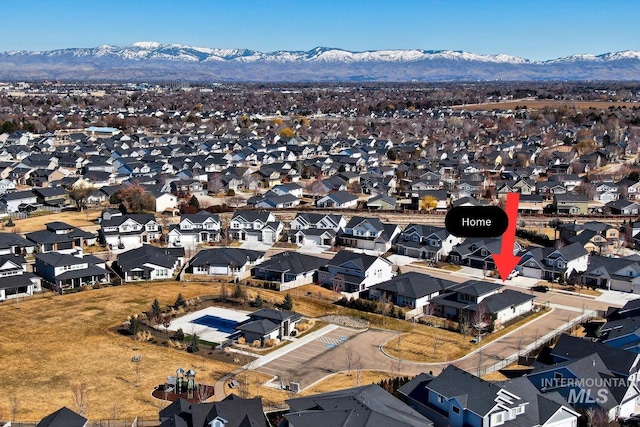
x=505, y=261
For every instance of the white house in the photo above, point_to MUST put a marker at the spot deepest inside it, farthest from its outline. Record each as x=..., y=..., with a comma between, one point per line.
x=351, y=273
x=253, y=226
x=129, y=231
x=194, y=229
x=16, y=281
x=338, y=199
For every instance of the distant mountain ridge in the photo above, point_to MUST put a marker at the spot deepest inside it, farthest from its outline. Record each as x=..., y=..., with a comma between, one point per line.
x=154, y=61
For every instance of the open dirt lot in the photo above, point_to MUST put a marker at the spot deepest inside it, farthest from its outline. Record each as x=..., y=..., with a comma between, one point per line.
x=37, y=222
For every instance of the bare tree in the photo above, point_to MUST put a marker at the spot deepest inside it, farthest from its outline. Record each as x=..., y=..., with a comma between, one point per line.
x=203, y=392
x=480, y=320
x=14, y=408
x=357, y=366
x=349, y=358
x=384, y=307
x=215, y=184
x=81, y=398
x=464, y=324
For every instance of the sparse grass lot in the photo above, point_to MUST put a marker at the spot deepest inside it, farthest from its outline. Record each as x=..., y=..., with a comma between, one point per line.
x=51, y=344
x=429, y=344
x=36, y=222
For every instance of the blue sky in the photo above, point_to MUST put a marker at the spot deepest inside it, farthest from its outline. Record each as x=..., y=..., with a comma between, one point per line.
x=543, y=29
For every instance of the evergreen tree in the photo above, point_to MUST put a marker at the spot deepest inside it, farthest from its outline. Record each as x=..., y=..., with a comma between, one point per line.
x=193, y=201
x=258, y=301
x=155, y=308
x=180, y=302
x=287, y=303
x=237, y=293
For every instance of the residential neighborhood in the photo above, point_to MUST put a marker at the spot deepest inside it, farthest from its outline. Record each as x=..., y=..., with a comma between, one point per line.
x=265, y=210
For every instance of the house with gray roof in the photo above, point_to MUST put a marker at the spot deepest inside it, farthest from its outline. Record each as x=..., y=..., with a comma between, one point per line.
x=500, y=305
x=232, y=411
x=61, y=237
x=551, y=264
x=338, y=200
x=195, y=229
x=254, y=226
x=368, y=234
x=364, y=406
x=267, y=324
x=16, y=280
x=351, y=273
x=148, y=263
x=412, y=290
x=65, y=271
x=289, y=269
x=228, y=262
x=426, y=242
x=129, y=231
x=456, y=398
x=63, y=417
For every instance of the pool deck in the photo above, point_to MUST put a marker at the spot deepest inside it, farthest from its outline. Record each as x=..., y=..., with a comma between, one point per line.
x=204, y=332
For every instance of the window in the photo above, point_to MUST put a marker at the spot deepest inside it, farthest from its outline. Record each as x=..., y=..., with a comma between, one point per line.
x=520, y=410
x=497, y=419
x=455, y=409
x=440, y=399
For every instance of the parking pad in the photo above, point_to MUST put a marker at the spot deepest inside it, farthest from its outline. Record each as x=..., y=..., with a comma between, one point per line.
x=288, y=363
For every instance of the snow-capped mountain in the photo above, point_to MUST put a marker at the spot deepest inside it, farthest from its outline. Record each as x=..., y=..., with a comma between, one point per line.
x=154, y=61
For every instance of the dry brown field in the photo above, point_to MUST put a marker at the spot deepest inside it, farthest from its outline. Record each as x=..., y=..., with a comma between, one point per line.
x=538, y=104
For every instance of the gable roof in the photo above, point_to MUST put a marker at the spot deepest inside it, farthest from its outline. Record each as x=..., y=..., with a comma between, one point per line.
x=365, y=406
x=234, y=257
x=619, y=361
x=137, y=257
x=414, y=285
x=293, y=262
x=360, y=260
x=63, y=417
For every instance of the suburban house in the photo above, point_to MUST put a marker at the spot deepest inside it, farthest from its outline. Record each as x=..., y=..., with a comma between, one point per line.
x=338, y=200
x=12, y=244
x=304, y=221
x=61, y=237
x=129, y=231
x=19, y=201
x=411, y=290
x=64, y=271
x=551, y=264
x=587, y=383
x=623, y=207
x=194, y=229
x=457, y=398
x=63, y=417
x=368, y=234
x=573, y=204
x=148, y=262
x=271, y=200
x=289, y=269
x=364, y=406
x=254, y=226
x=426, y=242
x=16, y=280
x=382, y=202
x=313, y=237
x=621, y=333
x=52, y=196
x=617, y=274
x=479, y=298
x=267, y=324
x=351, y=273
x=622, y=363
x=232, y=411
x=227, y=262
x=478, y=252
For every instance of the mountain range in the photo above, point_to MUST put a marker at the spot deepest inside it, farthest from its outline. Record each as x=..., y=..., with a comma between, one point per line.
x=151, y=61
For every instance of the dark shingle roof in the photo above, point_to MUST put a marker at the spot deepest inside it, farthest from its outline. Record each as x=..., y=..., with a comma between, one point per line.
x=63, y=417
x=414, y=285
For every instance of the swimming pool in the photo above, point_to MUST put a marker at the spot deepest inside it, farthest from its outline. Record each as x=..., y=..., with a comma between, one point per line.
x=223, y=325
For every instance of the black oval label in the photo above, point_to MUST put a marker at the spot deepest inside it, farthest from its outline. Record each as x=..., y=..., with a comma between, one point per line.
x=476, y=221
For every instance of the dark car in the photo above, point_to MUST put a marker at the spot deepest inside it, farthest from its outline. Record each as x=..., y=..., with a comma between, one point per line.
x=540, y=288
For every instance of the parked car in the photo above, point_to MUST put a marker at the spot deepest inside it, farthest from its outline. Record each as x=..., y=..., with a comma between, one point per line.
x=540, y=288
